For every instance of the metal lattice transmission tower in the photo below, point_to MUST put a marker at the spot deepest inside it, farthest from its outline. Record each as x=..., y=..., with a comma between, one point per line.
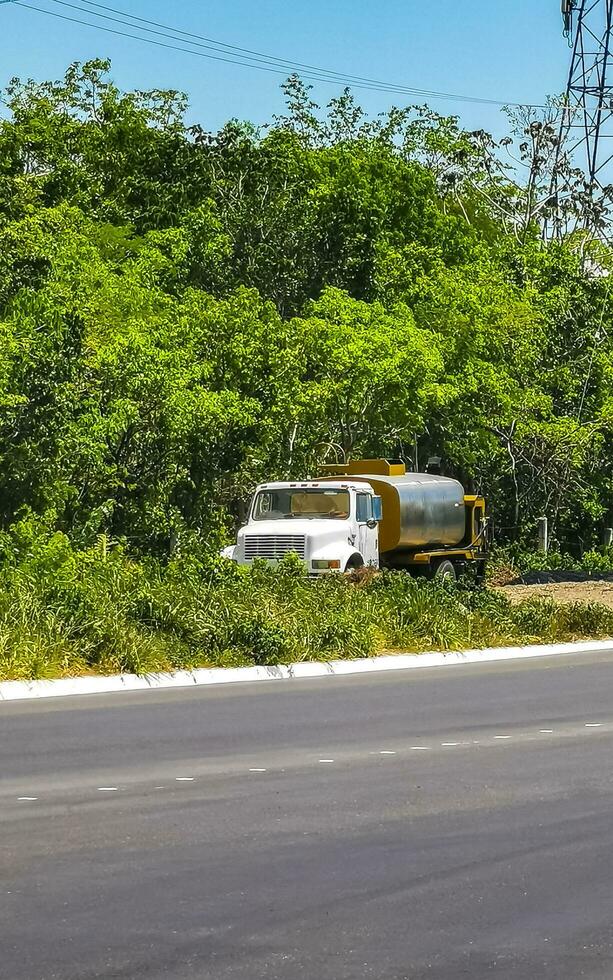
x=587, y=119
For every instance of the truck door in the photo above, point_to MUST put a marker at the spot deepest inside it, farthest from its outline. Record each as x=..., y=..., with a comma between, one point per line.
x=368, y=537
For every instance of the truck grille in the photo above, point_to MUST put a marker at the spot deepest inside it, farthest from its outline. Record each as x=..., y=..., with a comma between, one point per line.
x=273, y=545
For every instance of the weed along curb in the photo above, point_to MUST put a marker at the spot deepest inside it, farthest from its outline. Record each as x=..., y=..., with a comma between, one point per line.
x=64, y=687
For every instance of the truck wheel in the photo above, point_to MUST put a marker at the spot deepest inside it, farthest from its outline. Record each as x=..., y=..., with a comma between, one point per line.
x=354, y=563
x=446, y=570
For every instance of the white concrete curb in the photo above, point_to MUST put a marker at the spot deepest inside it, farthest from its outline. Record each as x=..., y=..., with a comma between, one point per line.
x=22, y=690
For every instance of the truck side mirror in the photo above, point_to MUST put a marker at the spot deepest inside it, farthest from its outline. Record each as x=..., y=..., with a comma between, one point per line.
x=377, y=509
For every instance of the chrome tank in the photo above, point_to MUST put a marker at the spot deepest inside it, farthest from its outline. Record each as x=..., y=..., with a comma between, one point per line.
x=419, y=510
x=431, y=510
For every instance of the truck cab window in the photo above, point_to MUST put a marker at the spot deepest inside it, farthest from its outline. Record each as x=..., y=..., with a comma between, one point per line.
x=364, y=508
x=305, y=503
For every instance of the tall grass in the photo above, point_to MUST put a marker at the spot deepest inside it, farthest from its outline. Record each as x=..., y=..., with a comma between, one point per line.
x=66, y=612
x=512, y=563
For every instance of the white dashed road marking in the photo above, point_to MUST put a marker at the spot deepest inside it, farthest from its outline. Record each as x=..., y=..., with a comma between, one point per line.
x=390, y=752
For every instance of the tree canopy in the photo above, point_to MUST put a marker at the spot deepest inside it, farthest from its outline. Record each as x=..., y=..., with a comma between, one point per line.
x=184, y=313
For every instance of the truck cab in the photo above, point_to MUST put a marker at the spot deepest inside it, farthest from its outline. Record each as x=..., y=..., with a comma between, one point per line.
x=333, y=526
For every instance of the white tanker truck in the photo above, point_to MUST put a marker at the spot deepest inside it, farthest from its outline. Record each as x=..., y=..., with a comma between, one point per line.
x=367, y=513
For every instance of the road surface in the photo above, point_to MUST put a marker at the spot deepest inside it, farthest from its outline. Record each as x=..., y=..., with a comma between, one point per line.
x=438, y=823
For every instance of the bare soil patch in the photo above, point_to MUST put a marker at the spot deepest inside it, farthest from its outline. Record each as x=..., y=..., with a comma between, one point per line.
x=591, y=591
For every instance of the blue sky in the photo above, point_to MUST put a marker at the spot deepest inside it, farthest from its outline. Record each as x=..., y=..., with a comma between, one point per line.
x=498, y=49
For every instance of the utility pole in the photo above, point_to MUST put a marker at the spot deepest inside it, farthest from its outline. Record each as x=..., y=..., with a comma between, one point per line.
x=586, y=133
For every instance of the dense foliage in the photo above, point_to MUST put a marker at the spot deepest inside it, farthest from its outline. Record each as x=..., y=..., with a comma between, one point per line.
x=184, y=313
x=513, y=565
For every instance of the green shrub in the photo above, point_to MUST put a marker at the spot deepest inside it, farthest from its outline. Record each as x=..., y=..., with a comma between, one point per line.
x=507, y=564
x=584, y=619
x=535, y=619
x=65, y=611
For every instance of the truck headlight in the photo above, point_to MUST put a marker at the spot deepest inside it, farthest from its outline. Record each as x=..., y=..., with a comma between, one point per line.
x=326, y=563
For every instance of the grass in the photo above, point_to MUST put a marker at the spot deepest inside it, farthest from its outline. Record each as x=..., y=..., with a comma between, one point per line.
x=510, y=564
x=65, y=612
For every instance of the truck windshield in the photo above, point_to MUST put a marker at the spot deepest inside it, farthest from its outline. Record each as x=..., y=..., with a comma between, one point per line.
x=278, y=505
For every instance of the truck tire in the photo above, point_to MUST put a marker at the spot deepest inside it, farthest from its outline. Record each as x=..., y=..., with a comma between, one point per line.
x=356, y=561
x=446, y=570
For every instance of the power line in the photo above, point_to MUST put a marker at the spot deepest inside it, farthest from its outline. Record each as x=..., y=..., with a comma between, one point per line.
x=199, y=54
x=248, y=59
x=221, y=44
x=342, y=76
x=230, y=49
x=313, y=74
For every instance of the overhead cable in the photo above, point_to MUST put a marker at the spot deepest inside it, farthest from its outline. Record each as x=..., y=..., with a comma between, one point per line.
x=271, y=59
x=245, y=59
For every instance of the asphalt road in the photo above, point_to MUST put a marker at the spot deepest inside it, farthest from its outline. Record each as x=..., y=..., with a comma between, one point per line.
x=442, y=823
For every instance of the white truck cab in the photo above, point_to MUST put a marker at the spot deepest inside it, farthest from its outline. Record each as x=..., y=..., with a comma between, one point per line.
x=332, y=526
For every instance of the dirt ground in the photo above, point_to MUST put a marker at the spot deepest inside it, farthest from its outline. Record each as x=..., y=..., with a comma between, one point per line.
x=592, y=591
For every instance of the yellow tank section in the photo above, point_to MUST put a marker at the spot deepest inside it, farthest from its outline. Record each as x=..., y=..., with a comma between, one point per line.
x=419, y=509
x=381, y=467
x=390, y=526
